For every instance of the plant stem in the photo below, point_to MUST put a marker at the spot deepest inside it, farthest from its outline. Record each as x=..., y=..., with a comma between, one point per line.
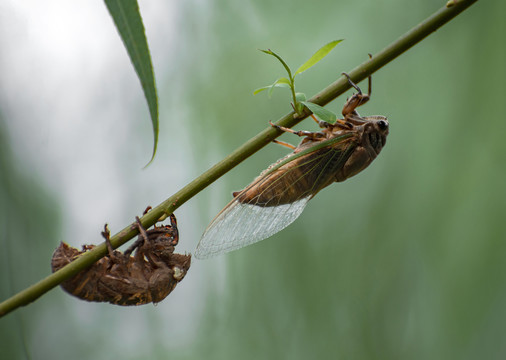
x=296, y=105
x=335, y=89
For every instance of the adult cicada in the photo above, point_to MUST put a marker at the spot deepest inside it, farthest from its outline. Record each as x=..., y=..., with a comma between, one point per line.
x=279, y=194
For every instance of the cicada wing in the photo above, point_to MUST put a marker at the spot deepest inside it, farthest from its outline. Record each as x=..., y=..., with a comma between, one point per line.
x=242, y=224
x=275, y=199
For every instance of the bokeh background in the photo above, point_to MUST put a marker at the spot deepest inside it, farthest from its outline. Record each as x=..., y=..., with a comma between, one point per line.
x=407, y=260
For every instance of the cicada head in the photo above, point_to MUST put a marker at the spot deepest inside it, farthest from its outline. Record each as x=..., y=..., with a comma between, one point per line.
x=375, y=133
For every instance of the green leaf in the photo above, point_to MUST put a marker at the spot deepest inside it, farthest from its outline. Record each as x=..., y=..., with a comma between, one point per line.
x=320, y=54
x=284, y=82
x=287, y=68
x=300, y=97
x=321, y=112
x=261, y=89
x=281, y=82
x=128, y=21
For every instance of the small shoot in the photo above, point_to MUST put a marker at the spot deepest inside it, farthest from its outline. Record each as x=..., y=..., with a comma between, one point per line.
x=297, y=98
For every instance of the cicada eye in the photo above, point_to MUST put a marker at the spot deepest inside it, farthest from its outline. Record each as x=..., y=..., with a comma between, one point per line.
x=382, y=124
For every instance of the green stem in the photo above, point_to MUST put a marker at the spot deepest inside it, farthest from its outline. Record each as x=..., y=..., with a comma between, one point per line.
x=292, y=88
x=335, y=89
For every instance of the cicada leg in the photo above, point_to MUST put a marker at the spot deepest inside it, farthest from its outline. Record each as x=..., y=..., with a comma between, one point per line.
x=309, y=134
x=290, y=146
x=355, y=100
x=343, y=124
x=322, y=124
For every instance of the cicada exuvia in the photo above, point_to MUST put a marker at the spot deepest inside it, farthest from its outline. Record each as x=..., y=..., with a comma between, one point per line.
x=279, y=194
x=119, y=278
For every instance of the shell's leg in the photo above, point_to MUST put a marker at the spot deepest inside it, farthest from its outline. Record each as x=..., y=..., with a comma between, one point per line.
x=175, y=231
x=143, y=237
x=107, y=236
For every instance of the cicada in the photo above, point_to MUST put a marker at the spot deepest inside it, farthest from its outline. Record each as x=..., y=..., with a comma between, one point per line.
x=280, y=193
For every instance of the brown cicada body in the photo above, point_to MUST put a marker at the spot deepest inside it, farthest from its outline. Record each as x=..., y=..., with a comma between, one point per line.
x=279, y=194
x=122, y=279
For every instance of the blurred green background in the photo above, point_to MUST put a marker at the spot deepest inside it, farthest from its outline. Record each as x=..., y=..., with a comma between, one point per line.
x=407, y=260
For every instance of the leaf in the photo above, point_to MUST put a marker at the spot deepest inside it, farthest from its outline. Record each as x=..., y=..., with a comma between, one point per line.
x=320, y=54
x=321, y=112
x=281, y=82
x=287, y=68
x=261, y=89
x=128, y=21
x=300, y=97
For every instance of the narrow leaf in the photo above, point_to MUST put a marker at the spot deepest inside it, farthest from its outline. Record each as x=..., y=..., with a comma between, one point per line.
x=128, y=21
x=287, y=68
x=320, y=54
x=281, y=82
x=261, y=89
x=321, y=112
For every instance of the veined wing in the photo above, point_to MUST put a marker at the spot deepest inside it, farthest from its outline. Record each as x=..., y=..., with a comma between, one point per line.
x=275, y=199
x=239, y=225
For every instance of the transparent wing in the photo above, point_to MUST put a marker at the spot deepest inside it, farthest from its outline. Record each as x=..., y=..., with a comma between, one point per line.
x=275, y=199
x=241, y=224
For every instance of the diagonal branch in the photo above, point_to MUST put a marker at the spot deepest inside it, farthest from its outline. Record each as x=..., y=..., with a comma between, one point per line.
x=328, y=94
